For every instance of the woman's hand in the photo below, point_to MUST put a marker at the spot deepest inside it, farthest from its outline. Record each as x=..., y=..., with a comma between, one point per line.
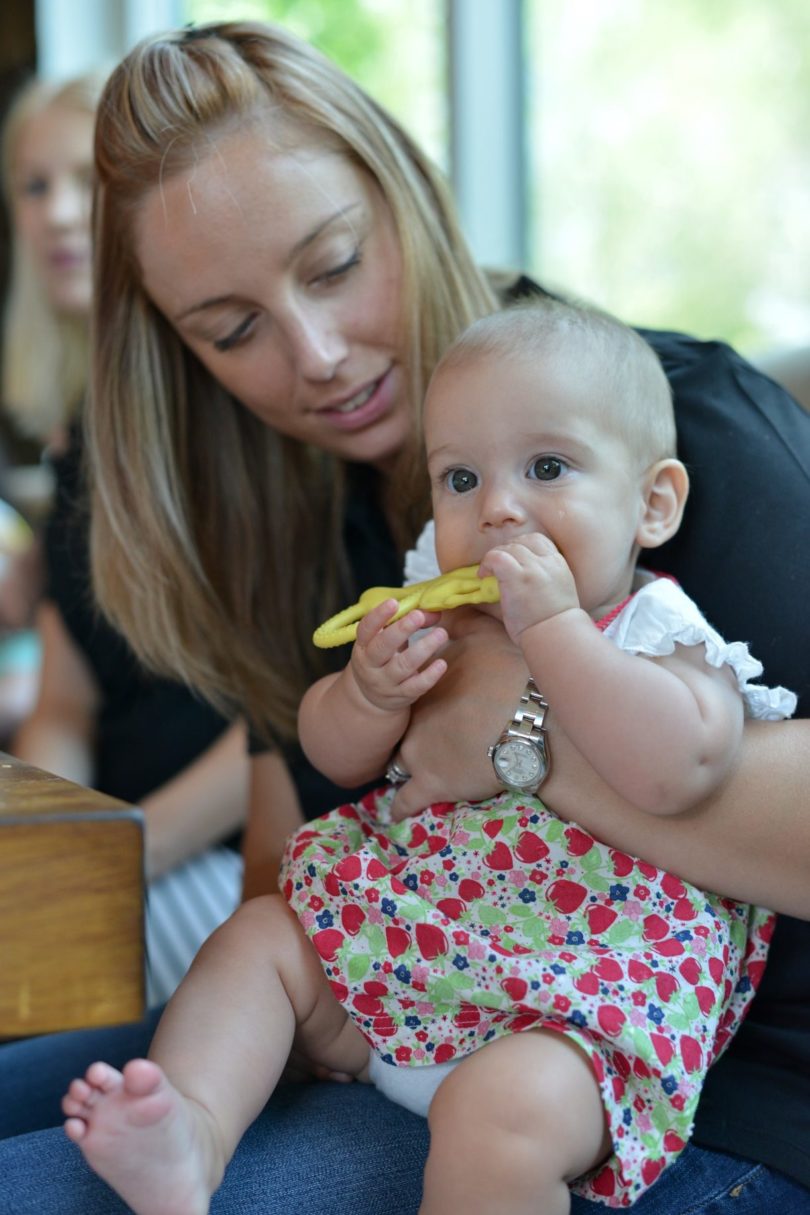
x=445, y=748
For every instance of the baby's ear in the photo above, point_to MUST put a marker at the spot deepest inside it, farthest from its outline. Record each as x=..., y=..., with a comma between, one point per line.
x=665, y=490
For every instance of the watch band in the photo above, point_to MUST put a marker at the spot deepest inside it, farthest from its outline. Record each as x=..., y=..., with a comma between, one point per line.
x=530, y=714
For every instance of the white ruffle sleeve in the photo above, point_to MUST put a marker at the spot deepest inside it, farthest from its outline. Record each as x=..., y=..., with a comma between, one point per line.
x=420, y=562
x=660, y=616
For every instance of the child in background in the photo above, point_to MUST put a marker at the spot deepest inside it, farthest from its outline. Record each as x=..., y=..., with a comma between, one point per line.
x=552, y=1003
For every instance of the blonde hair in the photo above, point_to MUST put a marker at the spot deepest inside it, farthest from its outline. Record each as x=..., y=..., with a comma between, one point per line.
x=45, y=353
x=217, y=543
x=632, y=390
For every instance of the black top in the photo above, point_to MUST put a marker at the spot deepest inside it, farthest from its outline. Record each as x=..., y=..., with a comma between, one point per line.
x=148, y=729
x=742, y=554
x=374, y=562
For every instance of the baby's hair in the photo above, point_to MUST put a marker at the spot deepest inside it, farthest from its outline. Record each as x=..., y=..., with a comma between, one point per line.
x=631, y=385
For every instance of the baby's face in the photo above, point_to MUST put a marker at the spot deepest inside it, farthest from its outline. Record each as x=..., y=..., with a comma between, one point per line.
x=516, y=446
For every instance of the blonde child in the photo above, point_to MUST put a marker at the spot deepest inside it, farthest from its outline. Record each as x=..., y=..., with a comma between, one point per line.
x=551, y=1004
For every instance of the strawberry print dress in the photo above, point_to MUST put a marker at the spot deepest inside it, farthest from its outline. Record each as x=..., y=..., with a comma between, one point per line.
x=474, y=920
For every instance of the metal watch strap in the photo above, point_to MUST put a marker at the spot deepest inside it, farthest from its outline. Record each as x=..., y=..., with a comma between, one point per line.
x=531, y=713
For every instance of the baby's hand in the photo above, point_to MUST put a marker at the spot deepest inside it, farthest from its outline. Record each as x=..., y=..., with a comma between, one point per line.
x=390, y=672
x=535, y=582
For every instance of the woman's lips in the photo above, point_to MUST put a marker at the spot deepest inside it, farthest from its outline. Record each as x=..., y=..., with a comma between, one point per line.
x=365, y=407
x=66, y=259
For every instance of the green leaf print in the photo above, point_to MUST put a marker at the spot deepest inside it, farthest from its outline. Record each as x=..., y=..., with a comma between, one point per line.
x=358, y=965
x=678, y=1021
x=690, y=1006
x=621, y=931
x=643, y=1045
x=592, y=860
x=491, y=915
x=375, y=939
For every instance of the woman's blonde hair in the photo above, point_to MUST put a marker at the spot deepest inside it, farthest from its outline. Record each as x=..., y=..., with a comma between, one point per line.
x=45, y=353
x=217, y=543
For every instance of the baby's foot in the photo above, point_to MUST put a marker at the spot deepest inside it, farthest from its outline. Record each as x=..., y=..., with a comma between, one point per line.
x=155, y=1147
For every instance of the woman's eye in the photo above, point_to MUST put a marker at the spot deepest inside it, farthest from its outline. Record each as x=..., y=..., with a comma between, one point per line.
x=337, y=272
x=236, y=335
x=461, y=480
x=34, y=187
x=547, y=468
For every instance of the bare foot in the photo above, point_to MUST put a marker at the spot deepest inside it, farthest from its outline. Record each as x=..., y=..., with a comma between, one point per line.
x=155, y=1147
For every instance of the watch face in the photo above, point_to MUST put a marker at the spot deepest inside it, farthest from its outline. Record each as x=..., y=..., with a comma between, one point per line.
x=520, y=764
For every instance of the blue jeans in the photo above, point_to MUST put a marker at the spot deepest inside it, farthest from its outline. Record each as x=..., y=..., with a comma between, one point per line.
x=325, y=1148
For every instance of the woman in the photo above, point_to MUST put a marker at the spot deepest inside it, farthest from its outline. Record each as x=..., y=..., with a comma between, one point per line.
x=279, y=269
x=97, y=719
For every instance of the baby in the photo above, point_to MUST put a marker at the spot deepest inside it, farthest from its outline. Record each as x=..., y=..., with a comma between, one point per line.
x=551, y=1004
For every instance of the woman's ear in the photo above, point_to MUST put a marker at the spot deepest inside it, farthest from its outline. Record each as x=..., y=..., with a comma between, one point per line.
x=665, y=490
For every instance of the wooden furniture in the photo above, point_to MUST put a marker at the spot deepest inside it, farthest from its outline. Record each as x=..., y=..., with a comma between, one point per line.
x=71, y=905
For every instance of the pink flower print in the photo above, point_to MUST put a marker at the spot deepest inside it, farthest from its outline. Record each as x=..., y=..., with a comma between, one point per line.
x=423, y=1008
x=558, y=927
x=644, y=1123
x=375, y=916
x=461, y=838
x=420, y=974
x=476, y=950
x=307, y=919
x=638, y=1018
x=419, y=1053
x=633, y=910
x=699, y=947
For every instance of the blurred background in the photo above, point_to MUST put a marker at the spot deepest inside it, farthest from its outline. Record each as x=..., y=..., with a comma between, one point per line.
x=649, y=156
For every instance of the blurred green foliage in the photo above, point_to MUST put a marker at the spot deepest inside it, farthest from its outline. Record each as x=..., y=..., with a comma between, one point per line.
x=672, y=178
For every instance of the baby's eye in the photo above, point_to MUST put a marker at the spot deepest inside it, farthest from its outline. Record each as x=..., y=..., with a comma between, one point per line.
x=460, y=480
x=547, y=468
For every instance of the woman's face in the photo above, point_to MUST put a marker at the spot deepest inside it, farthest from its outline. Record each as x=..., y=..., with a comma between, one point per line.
x=51, y=187
x=280, y=268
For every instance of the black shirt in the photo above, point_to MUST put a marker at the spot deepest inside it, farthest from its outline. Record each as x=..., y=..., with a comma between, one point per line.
x=147, y=729
x=742, y=553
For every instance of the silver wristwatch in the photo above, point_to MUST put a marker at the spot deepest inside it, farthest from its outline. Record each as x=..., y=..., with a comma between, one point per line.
x=521, y=757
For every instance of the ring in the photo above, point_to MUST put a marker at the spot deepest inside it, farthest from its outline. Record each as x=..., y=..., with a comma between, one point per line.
x=395, y=774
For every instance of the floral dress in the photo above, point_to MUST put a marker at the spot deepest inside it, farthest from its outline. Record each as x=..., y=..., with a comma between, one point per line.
x=475, y=920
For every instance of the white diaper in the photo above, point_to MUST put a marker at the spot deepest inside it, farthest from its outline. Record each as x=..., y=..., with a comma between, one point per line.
x=412, y=1087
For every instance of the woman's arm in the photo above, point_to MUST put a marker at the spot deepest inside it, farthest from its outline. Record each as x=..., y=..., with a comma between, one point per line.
x=274, y=812
x=749, y=840
x=206, y=802
x=59, y=735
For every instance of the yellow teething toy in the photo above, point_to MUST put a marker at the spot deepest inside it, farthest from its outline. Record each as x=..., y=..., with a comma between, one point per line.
x=454, y=589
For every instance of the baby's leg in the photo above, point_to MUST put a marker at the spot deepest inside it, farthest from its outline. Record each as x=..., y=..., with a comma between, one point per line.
x=511, y=1125
x=162, y=1132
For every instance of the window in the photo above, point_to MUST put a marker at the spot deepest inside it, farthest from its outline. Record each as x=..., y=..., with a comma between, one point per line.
x=668, y=143
x=393, y=48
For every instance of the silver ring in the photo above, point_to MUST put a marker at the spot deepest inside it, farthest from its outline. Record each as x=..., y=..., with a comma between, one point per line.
x=395, y=774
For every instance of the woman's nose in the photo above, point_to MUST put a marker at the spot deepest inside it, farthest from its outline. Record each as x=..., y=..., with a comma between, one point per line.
x=68, y=204
x=317, y=345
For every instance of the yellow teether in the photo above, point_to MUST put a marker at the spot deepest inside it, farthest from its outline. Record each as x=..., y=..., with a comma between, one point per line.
x=454, y=589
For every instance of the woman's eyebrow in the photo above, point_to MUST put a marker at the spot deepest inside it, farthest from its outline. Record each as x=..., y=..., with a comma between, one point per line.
x=298, y=248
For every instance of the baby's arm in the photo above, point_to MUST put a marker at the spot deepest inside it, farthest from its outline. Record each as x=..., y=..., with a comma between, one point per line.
x=349, y=723
x=663, y=732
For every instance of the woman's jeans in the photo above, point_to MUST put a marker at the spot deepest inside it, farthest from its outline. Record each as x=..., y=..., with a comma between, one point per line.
x=328, y=1149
